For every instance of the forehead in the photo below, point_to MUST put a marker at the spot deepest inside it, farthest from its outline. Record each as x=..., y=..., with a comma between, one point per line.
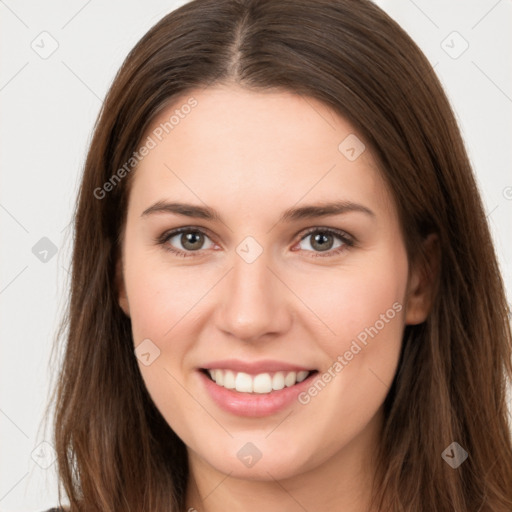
x=252, y=150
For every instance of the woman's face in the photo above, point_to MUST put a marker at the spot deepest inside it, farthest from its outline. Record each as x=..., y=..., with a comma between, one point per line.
x=297, y=313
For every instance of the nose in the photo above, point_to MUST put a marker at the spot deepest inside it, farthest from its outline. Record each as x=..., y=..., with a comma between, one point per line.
x=254, y=303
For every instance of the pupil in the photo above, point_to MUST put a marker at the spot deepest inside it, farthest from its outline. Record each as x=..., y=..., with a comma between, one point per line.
x=192, y=239
x=321, y=239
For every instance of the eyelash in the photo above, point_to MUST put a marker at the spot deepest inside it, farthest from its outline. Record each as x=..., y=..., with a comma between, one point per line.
x=348, y=241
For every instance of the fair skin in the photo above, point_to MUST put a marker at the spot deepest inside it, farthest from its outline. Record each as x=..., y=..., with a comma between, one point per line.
x=251, y=156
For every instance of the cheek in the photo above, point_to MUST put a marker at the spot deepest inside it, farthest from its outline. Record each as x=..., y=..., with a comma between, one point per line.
x=163, y=302
x=161, y=297
x=363, y=308
x=361, y=301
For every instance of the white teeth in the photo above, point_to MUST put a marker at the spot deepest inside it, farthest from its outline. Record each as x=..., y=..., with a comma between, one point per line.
x=278, y=381
x=243, y=382
x=290, y=379
x=302, y=375
x=229, y=379
x=262, y=383
x=219, y=377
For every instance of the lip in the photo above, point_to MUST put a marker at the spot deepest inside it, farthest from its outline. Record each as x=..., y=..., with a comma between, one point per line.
x=253, y=405
x=255, y=367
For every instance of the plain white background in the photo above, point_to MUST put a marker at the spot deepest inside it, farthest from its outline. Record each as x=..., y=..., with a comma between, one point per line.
x=49, y=103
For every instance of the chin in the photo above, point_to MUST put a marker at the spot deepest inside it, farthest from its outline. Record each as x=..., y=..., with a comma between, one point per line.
x=259, y=459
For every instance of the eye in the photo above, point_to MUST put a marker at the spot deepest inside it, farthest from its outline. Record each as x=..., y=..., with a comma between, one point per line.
x=191, y=240
x=323, y=241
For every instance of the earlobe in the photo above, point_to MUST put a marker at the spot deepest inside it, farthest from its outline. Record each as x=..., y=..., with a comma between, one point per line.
x=422, y=285
x=121, y=289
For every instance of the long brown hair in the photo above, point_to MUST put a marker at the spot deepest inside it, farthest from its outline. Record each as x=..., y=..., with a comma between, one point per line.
x=115, y=450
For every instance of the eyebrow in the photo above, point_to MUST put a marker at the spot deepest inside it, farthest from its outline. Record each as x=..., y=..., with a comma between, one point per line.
x=291, y=215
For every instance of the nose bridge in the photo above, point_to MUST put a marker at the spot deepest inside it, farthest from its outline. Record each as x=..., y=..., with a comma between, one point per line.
x=253, y=302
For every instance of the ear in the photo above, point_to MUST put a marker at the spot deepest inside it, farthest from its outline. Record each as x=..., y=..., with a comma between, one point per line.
x=422, y=285
x=121, y=288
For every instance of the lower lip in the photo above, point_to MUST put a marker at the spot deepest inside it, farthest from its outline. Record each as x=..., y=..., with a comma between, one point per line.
x=253, y=404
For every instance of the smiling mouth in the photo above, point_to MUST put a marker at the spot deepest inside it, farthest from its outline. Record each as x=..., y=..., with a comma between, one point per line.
x=262, y=383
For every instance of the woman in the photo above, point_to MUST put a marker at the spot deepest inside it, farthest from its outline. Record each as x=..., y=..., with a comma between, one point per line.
x=328, y=329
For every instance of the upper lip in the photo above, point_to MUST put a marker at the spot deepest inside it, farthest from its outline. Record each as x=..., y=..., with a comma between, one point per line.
x=255, y=367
